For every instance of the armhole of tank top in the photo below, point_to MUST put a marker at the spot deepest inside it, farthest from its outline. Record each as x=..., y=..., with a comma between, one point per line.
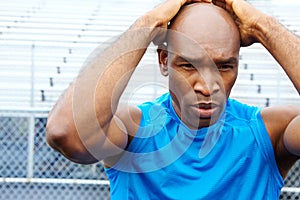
x=266, y=147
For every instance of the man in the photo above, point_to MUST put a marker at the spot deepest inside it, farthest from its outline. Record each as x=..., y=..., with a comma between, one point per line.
x=193, y=142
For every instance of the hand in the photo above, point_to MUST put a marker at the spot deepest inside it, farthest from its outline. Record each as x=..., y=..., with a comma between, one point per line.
x=164, y=13
x=245, y=16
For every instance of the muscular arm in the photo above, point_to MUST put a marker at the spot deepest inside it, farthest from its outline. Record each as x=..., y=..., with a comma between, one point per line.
x=86, y=124
x=256, y=26
x=80, y=124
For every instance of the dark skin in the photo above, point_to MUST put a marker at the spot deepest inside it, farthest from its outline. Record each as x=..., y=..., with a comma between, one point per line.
x=88, y=124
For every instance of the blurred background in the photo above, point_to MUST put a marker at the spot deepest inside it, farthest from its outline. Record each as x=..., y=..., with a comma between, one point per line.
x=43, y=45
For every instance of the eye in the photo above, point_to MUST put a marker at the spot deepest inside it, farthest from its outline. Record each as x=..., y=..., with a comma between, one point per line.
x=224, y=68
x=187, y=66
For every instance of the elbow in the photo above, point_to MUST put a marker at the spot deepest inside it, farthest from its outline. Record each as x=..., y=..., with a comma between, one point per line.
x=66, y=141
x=55, y=137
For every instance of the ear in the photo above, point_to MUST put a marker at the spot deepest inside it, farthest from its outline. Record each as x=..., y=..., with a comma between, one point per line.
x=163, y=59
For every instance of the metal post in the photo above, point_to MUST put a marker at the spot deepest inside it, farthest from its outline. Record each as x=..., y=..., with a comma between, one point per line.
x=31, y=119
x=30, y=163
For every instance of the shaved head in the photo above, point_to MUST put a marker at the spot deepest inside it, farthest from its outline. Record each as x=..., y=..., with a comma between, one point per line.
x=201, y=60
x=206, y=24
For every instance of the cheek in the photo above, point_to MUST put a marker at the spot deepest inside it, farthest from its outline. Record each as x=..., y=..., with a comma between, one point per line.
x=175, y=79
x=228, y=82
x=179, y=83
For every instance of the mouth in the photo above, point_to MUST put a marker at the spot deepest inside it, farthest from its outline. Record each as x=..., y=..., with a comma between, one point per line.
x=206, y=110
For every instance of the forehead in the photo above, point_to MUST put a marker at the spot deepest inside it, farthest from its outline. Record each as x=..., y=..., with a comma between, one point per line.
x=204, y=47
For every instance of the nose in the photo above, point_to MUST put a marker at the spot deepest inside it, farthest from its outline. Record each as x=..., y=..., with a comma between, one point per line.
x=206, y=82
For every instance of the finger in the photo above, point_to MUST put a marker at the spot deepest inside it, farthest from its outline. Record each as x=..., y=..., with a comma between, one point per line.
x=225, y=5
x=206, y=1
x=195, y=1
x=219, y=3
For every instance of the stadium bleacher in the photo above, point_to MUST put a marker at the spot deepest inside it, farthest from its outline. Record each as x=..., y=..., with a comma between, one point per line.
x=44, y=45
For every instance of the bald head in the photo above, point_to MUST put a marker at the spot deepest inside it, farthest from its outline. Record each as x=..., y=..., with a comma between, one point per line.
x=206, y=24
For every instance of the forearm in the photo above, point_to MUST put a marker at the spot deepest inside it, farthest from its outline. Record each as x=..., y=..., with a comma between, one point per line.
x=104, y=79
x=282, y=44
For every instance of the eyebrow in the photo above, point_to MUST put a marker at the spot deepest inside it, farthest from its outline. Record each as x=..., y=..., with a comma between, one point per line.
x=181, y=58
x=230, y=60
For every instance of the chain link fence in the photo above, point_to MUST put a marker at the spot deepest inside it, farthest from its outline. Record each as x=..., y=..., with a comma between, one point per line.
x=292, y=184
x=30, y=169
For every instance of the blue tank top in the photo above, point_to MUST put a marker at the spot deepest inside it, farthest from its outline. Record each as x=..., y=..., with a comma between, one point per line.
x=232, y=159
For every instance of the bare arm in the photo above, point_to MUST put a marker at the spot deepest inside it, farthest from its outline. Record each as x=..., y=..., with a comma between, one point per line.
x=256, y=26
x=84, y=125
x=283, y=45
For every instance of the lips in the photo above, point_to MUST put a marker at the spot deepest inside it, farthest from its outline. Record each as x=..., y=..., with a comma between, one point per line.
x=206, y=109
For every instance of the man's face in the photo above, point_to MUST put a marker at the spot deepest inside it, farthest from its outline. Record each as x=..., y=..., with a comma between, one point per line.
x=202, y=66
x=200, y=81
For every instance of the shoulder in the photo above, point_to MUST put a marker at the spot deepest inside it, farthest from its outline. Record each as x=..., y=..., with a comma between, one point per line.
x=240, y=111
x=133, y=116
x=270, y=115
x=129, y=118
